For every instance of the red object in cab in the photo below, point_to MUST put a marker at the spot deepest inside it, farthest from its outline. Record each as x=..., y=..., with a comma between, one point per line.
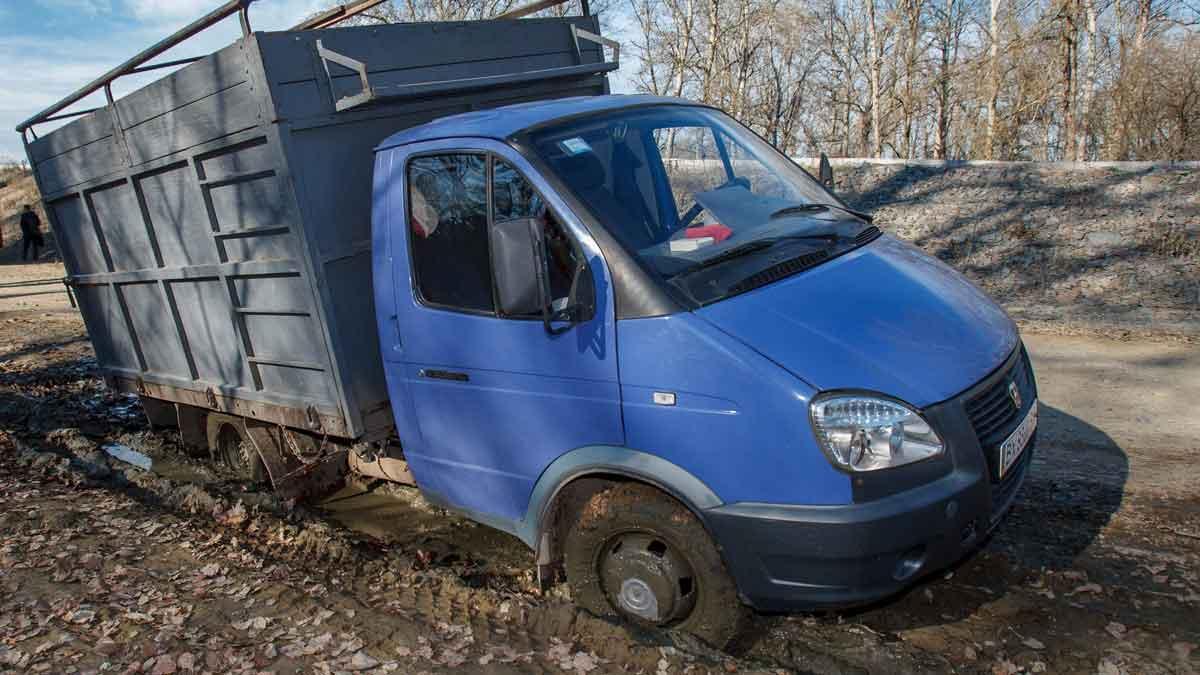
x=717, y=231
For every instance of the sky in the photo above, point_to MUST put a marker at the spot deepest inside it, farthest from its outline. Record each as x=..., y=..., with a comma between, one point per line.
x=50, y=48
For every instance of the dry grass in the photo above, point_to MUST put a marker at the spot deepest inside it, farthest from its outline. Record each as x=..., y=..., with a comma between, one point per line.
x=1175, y=241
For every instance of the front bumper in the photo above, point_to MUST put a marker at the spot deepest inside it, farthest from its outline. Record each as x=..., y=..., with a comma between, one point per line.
x=793, y=558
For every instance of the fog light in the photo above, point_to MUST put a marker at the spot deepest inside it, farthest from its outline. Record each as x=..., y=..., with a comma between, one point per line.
x=968, y=534
x=910, y=564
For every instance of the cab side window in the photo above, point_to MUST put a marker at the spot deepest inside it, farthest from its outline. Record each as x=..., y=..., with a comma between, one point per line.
x=448, y=217
x=514, y=197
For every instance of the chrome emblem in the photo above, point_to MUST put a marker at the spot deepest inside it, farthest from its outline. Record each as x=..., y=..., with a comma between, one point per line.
x=1014, y=394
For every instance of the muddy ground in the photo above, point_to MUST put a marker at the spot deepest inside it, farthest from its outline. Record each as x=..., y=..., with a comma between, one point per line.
x=104, y=567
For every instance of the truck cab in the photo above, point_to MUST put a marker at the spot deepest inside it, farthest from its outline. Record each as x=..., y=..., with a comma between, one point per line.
x=631, y=333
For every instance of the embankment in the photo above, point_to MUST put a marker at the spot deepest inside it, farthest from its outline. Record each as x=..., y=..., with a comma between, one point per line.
x=1108, y=247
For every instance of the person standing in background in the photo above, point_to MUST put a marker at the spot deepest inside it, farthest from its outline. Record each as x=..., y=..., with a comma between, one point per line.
x=31, y=233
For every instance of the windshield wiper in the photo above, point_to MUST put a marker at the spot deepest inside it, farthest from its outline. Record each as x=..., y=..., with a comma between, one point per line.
x=817, y=207
x=730, y=254
x=754, y=246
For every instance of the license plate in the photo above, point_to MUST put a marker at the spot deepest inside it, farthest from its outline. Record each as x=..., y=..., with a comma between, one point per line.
x=1014, y=445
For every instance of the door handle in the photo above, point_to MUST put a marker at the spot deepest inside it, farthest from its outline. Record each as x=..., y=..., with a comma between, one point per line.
x=444, y=375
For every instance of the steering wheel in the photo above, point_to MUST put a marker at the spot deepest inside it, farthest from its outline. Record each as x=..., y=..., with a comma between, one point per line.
x=696, y=209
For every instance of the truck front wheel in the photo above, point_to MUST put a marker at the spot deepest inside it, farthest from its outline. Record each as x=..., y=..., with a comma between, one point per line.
x=636, y=553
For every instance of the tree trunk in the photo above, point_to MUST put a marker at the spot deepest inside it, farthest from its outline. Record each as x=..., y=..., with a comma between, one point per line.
x=993, y=76
x=875, y=66
x=1069, y=34
x=942, y=149
x=1143, y=26
x=1083, y=143
x=710, y=59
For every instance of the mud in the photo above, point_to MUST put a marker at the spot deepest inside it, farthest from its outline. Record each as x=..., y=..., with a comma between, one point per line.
x=183, y=569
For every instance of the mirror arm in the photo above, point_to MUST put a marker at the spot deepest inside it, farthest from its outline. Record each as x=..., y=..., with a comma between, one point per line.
x=543, y=277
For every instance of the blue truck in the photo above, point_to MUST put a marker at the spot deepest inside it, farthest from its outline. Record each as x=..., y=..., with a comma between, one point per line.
x=624, y=329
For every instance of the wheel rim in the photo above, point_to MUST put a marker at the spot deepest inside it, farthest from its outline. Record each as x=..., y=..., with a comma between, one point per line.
x=647, y=579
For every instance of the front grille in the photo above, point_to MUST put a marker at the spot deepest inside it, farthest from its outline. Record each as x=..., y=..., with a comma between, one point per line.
x=992, y=412
x=994, y=416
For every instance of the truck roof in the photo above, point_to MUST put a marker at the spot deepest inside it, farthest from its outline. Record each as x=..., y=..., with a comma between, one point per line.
x=501, y=123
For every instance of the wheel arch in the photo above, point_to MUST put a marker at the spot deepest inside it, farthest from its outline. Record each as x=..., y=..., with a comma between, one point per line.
x=616, y=464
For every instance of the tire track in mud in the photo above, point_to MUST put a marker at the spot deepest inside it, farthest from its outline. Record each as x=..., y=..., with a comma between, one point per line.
x=385, y=584
x=56, y=400
x=500, y=607
x=1072, y=532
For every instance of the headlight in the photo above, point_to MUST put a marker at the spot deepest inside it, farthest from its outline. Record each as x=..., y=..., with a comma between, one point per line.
x=866, y=433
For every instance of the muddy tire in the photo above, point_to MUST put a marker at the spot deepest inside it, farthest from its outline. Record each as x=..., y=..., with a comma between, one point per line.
x=229, y=446
x=636, y=553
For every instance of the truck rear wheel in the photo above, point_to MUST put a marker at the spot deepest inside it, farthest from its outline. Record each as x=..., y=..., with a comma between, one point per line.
x=636, y=553
x=229, y=446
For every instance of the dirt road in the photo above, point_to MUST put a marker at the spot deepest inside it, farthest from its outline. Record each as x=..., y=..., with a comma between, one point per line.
x=103, y=567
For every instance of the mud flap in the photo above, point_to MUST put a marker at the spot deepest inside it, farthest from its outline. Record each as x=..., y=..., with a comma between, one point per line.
x=549, y=571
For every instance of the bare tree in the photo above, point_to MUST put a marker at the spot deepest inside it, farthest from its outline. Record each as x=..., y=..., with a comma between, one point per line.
x=993, y=77
x=998, y=79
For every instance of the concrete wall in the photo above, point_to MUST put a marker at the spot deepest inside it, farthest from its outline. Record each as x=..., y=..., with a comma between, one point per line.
x=1113, y=244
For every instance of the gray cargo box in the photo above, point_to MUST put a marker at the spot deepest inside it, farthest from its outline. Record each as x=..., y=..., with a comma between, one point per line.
x=215, y=224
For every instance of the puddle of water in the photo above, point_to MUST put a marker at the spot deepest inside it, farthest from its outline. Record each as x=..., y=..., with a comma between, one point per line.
x=181, y=472
x=400, y=516
x=378, y=513
x=117, y=407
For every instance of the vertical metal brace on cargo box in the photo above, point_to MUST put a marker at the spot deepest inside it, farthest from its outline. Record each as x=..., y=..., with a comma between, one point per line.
x=403, y=91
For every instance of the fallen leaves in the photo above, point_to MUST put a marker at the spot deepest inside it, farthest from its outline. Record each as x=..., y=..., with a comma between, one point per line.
x=1089, y=587
x=107, y=646
x=362, y=661
x=235, y=516
x=253, y=625
x=163, y=665
x=576, y=661
x=1005, y=667
x=82, y=616
x=14, y=657
x=222, y=586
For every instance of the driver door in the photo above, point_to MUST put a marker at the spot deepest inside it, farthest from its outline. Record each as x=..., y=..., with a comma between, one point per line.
x=496, y=398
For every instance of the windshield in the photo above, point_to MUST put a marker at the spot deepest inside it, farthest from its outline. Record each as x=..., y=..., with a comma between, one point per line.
x=702, y=202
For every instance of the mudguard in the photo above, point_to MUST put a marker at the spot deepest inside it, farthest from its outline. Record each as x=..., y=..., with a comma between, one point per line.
x=601, y=459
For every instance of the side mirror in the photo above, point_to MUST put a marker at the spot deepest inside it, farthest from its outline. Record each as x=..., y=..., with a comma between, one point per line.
x=519, y=264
